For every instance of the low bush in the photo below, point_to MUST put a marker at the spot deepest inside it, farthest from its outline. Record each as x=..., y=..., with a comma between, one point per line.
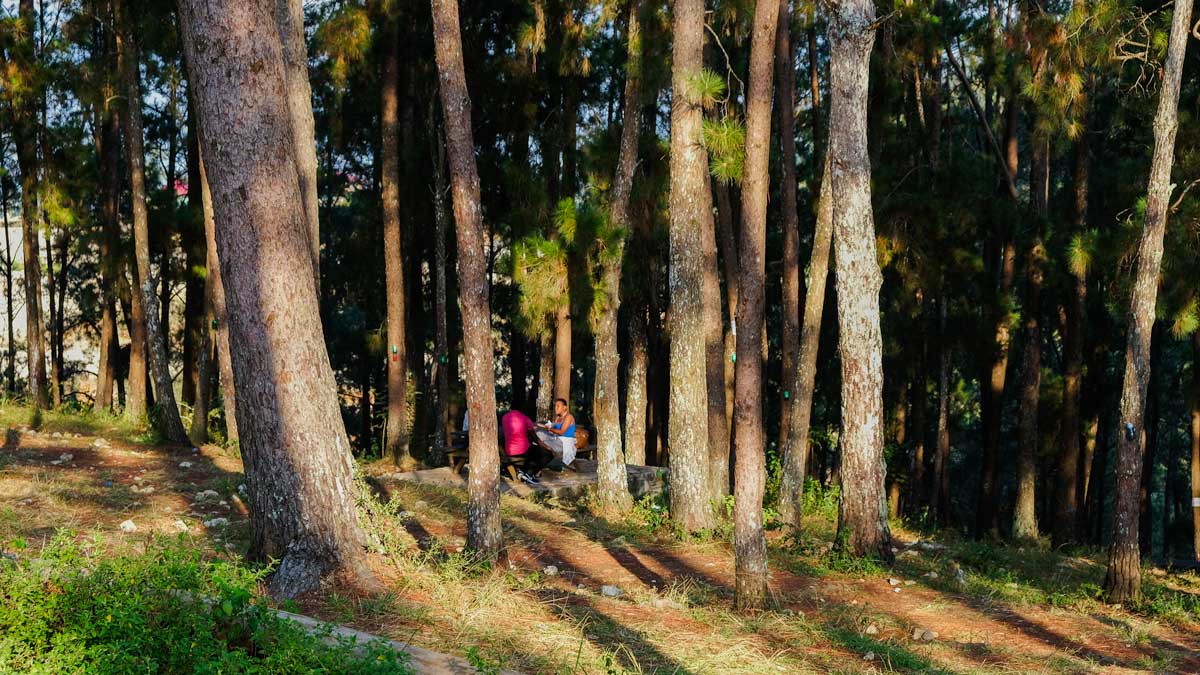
x=161, y=610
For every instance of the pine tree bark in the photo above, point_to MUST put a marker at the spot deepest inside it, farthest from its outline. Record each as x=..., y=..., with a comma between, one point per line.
x=204, y=371
x=728, y=248
x=483, y=489
x=10, y=366
x=110, y=194
x=396, y=433
x=862, y=508
x=716, y=366
x=1195, y=463
x=796, y=450
x=749, y=542
x=1025, y=525
x=785, y=78
x=545, y=393
x=635, y=390
x=290, y=17
x=220, y=317
x=298, y=465
x=612, y=481
x=1066, y=512
x=168, y=421
x=26, y=140
x=52, y=313
x=195, y=294
x=441, y=334
x=688, y=422
x=939, y=493
x=1123, y=581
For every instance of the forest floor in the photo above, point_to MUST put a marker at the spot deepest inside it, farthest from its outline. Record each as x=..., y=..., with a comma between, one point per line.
x=582, y=595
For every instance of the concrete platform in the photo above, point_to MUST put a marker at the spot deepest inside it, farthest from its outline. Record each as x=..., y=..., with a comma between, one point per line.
x=566, y=485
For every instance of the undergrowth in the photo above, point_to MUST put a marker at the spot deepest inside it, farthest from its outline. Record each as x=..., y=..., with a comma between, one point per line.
x=161, y=610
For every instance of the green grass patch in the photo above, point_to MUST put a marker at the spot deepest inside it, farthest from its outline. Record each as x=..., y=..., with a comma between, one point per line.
x=161, y=610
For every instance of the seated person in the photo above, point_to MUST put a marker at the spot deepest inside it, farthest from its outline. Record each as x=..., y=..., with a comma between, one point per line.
x=516, y=427
x=559, y=435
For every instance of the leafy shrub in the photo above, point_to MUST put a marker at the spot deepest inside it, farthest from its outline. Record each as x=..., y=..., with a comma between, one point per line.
x=165, y=610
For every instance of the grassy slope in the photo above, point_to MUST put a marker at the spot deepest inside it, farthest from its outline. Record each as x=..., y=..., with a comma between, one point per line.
x=1014, y=610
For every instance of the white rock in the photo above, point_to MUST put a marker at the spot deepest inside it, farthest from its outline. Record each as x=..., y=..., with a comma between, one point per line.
x=207, y=496
x=611, y=592
x=185, y=465
x=550, y=570
x=420, y=504
x=869, y=656
x=216, y=522
x=180, y=525
x=128, y=526
x=242, y=488
x=909, y=582
x=665, y=603
x=896, y=589
x=931, y=575
x=892, y=581
x=872, y=630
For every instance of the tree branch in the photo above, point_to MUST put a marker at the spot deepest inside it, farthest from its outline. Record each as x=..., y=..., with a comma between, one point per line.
x=1009, y=179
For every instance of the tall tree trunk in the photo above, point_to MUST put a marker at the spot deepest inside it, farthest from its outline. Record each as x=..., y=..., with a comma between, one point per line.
x=1002, y=255
x=719, y=401
x=483, y=490
x=1150, y=441
x=196, y=287
x=220, y=316
x=441, y=339
x=562, y=351
x=862, y=508
x=396, y=434
x=728, y=241
x=204, y=370
x=299, y=469
x=26, y=140
x=785, y=100
x=1195, y=464
x=919, y=396
x=939, y=493
x=1066, y=512
x=110, y=195
x=1025, y=525
x=137, y=397
x=688, y=423
x=1123, y=581
x=814, y=85
x=156, y=344
x=52, y=313
x=10, y=365
x=636, y=393
x=612, y=481
x=290, y=17
x=749, y=542
x=796, y=450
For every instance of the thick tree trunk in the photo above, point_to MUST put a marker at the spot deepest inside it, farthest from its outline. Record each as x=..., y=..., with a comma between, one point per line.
x=204, y=371
x=26, y=140
x=1195, y=463
x=1123, y=582
x=110, y=195
x=441, y=331
x=290, y=17
x=1002, y=254
x=939, y=493
x=483, y=508
x=796, y=450
x=52, y=313
x=545, y=393
x=688, y=423
x=728, y=242
x=396, y=433
x=749, y=543
x=1150, y=440
x=612, y=481
x=715, y=371
x=220, y=317
x=147, y=284
x=785, y=100
x=562, y=351
x=1066, y=511
x=862, y=508
x=298, y=465
x=1025, y=525
x=635, y=391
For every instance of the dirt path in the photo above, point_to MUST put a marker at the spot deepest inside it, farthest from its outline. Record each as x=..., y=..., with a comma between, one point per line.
x=548, y=609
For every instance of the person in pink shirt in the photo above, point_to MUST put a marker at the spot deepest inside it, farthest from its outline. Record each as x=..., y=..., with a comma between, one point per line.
x=517, y=427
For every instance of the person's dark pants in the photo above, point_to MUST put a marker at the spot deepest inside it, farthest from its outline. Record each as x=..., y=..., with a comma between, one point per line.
x=536, y=459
